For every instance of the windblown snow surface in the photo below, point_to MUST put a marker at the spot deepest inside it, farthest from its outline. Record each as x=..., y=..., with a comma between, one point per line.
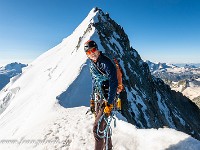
x=45, y=108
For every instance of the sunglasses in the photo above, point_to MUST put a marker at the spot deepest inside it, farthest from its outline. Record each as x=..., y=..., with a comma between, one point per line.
x=90, y=51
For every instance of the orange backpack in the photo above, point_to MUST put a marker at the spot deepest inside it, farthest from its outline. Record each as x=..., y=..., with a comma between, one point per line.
x=119, y=76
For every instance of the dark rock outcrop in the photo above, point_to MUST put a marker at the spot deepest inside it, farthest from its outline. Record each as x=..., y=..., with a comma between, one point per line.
x=147, y=101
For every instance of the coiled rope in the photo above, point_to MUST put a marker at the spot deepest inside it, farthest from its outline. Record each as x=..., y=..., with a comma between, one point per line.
x=107, y=132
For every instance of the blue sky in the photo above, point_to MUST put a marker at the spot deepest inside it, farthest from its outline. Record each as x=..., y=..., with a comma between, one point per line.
x=160, y=30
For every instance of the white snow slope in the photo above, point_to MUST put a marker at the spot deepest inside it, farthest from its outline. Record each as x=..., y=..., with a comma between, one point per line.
x=34, y=118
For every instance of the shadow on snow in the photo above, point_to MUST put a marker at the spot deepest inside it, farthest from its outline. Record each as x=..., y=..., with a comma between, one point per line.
x=78, y=93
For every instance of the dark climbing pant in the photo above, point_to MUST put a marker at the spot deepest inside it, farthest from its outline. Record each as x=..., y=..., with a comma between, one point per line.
x=100, y=143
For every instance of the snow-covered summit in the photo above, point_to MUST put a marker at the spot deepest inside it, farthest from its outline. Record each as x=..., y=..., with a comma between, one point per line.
x=32, y=97
x=15, y=66
x=44, y=103
x=8, y=71
x=159, y=66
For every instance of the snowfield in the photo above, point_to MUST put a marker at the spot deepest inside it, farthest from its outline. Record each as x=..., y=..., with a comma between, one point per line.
x=71, y=129
x=45, y=108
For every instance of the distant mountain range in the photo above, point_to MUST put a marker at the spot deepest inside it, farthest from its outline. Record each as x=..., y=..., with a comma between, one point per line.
x=9, y=71
x=193, y=65
x=184, y=78
x=163, y=66
x=154, y=67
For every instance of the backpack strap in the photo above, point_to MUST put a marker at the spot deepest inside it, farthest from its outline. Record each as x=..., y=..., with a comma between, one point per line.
x=98, y=69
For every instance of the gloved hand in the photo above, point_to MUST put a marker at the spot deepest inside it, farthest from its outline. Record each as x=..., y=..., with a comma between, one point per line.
x=108, y=108
x=92, y=106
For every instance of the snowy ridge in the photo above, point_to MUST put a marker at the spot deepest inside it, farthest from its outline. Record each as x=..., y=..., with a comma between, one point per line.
x=42, y=81
x=71, y=129
x=59, y=77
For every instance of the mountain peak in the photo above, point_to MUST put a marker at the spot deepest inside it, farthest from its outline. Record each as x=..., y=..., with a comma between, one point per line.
x=60, y=77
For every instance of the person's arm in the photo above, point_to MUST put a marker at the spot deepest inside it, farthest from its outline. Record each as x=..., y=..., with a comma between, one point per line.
x=113, y=82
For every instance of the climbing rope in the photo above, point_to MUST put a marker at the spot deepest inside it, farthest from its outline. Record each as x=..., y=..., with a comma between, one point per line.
x=107, y=132
x=99, y=77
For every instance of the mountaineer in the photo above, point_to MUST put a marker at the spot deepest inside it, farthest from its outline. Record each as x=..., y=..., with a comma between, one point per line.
x=104, y=89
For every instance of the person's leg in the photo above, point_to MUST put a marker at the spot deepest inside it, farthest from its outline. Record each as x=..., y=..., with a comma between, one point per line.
x=99, y=142
x=110, y=144
x=105, y=90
